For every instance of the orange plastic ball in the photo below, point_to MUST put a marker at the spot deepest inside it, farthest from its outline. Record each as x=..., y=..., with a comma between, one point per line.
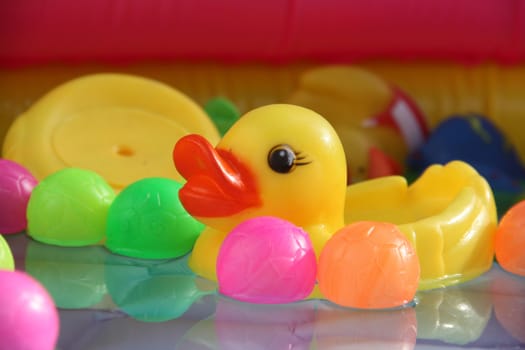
x=510, y=240
x=369, y=265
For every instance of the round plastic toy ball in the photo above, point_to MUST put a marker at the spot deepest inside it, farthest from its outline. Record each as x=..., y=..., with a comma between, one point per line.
x=369, y=265
x=69, y=208
x=16, y=185
x=28, y=317
x=266, y=260
x=510, y=240
x=148, y=221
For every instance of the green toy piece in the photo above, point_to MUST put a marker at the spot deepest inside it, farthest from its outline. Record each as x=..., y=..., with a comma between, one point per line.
x=223, y=113
x=148, y=221
x=69, y=208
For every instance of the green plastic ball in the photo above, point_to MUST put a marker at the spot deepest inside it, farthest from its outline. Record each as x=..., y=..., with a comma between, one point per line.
x=69, y=208
x=6, y=257
x=147, y=220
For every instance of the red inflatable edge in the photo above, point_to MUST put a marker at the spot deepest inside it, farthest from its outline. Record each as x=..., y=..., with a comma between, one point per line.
x=35, y=31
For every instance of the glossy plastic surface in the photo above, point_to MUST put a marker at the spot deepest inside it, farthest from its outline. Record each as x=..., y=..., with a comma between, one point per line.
x=69, y=208
x=128, y=123
x=266, y=260
x=448, y=214
x=188, y=313
x=510, y=240
x=16, y=185
x=218, y=184
x=310, y=194
x=28, y=315
x=147, y=220
x=369, y=265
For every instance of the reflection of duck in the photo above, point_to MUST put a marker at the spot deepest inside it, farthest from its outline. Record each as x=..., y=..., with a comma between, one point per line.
x=378, y=124
x=287, y=161
x=453, y=315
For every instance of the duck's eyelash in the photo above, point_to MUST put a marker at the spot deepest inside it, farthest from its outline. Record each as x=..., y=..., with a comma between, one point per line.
x=299, y=157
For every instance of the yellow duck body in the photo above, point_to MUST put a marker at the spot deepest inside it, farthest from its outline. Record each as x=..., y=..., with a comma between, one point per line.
x=448, y=214
x=311, y=194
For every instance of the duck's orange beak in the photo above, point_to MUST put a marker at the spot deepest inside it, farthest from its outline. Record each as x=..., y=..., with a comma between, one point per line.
x=218, y=184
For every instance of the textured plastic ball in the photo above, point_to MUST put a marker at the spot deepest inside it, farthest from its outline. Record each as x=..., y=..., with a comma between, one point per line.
x=6, y=256
x=266, y=260
x=16, y=185
x=28, y=317
x=369, y=265
x=510, y=240
x=69, y=208
x=148, y=221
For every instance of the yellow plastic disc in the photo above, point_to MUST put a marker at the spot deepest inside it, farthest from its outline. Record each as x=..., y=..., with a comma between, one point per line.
x=121, y=126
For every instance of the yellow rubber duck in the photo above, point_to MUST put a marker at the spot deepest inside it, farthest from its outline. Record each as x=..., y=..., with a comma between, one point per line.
x=287, y=161
x=263, y=167
x=114, y=124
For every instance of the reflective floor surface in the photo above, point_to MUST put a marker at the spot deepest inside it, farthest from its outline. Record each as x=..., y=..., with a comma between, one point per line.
x=113, y=302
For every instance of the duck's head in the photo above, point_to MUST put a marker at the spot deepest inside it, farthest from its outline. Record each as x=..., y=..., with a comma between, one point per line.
x=280, y=160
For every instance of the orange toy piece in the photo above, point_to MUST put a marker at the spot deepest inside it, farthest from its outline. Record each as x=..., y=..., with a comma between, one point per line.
x=510, y=240
x=369, y=265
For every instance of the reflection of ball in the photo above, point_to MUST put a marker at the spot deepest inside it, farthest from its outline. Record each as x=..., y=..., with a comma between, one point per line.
x=74, y=277
x=507, y=291
x=266, y=260
x=510, y=240
x=16, y=184
x=69, y=208
x=151, y=290
x=369, y=265
x=148, y=221
x=28, y=316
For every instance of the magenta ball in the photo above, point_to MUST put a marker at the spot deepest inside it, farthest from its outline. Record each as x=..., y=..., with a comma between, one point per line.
x=266, y=260
x=28, y=316
x=16, y=185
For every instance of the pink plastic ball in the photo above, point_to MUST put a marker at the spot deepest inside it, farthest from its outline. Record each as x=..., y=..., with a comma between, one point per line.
x=16, y=185
x=28, y=316
x=266, y=260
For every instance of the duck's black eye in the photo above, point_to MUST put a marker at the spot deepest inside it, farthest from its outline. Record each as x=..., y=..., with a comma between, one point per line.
x=281, y=159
